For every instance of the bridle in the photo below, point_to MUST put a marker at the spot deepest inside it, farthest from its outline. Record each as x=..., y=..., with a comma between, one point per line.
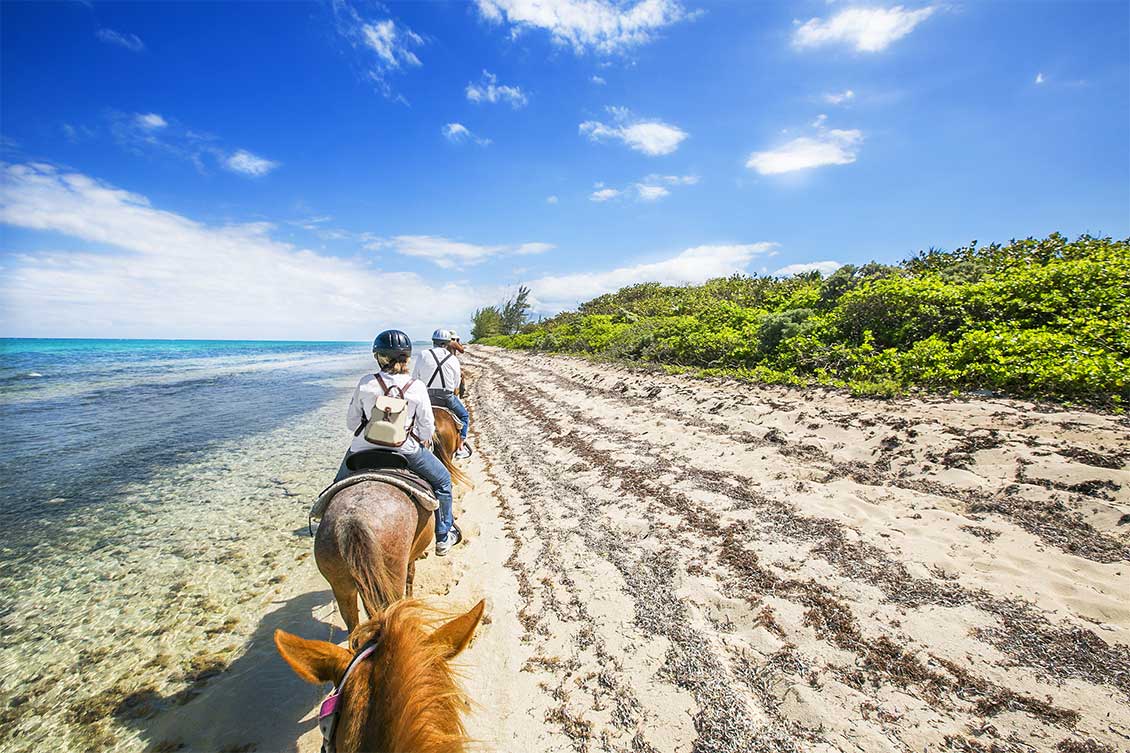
x=331, y=707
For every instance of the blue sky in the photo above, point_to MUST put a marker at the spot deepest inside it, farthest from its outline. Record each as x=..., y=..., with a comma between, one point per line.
x=326, y=170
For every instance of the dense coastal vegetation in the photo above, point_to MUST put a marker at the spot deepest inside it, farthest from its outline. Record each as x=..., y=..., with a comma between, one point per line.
x=1043, y=318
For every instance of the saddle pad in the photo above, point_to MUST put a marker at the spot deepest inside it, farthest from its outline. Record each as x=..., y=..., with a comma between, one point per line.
x=449, y=412
x=415, y=489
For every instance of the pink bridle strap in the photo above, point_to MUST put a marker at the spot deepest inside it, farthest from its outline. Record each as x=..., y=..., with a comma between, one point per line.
x=329, y=706
x=327, y=713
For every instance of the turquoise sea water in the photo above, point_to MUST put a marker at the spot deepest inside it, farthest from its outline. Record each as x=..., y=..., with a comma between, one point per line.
x=109, y=411
x=151, y=492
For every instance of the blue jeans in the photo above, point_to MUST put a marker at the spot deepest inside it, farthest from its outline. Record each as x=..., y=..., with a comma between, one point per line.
x=452, y=401
x=426, y=465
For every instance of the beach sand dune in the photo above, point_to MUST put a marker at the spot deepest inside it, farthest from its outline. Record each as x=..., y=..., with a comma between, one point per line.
x=674, y=564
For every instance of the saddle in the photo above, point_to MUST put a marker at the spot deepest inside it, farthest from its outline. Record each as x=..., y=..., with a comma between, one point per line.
x=378, y=465
x=440, y=406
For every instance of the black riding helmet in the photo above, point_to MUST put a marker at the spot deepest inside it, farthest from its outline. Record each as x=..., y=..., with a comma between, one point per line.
x=390, y=346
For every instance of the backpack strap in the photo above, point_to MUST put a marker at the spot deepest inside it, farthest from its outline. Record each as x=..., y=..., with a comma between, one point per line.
x=410, y=429
x=439, y=369
x=364, y=418
x=402, y=390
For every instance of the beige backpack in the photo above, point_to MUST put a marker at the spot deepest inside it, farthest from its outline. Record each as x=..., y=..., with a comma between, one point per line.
x=389, y=425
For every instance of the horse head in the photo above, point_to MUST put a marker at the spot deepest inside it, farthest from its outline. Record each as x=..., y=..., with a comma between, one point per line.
x=399, y=692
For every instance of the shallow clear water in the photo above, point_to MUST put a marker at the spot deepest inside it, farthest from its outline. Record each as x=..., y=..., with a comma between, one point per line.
x=151, y=494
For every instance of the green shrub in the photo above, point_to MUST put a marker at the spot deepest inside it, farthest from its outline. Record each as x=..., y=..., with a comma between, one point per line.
x=1038, y=317
x=779, y=326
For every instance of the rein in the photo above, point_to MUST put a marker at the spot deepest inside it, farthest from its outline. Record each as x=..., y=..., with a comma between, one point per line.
x=331, y=706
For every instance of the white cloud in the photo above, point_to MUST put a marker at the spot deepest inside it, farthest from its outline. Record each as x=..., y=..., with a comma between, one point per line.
x=247, y=163
x=825, y=268
x=139, y=271
x=131, y=42
x=444, y=252
x=76, y=134
x=651, y=193
x=650, y=188
x=385, y=45
x=652, y=137
x=600, y=25
x=598, y=81
x=830, y=147
x=838, y=98
x=149, y=133
x=694, y=265
x=529, y=249
x=865, y=29
x=312, y=223
x=457, y=133
x=1040, y=78
x=450, y=254
x=550, y=199
x=489, y=90
x=150, y=121
x=390, y=43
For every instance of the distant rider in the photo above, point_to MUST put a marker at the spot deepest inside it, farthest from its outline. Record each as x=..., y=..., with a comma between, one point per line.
x=392, y=349
x=438, y=368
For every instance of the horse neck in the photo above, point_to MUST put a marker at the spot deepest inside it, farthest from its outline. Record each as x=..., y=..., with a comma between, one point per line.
x=408, y=699
x=447, y=435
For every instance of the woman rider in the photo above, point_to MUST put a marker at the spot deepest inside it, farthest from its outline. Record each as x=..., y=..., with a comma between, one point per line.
x=392, y=349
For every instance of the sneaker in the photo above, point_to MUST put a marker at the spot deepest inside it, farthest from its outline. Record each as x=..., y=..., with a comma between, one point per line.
x=463, y=452
x=454, y=536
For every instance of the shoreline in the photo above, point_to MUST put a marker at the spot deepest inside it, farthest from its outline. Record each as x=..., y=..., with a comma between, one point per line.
x=671, y=562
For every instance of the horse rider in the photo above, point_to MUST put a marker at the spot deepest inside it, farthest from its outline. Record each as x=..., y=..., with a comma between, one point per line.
x=392, y=349
x=438, y=368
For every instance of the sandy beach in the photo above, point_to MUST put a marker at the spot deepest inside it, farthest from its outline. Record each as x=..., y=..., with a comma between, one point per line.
x=793, y=341
x=673, y=564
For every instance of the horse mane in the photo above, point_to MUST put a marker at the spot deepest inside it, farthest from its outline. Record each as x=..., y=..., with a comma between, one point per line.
x=420, y=705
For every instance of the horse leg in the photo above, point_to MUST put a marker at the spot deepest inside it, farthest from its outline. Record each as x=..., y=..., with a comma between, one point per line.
x=346, y=595
x=425, y=532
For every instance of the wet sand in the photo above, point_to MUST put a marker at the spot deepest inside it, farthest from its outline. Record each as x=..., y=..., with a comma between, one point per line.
x=675, y=565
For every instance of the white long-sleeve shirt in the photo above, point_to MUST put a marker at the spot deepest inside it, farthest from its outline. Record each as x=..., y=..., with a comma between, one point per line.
x=420, y=417
x=449, y=375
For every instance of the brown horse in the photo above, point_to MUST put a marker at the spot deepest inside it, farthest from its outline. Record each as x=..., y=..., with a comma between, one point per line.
x=446, y=442
x=372, y=534
x=401, y=698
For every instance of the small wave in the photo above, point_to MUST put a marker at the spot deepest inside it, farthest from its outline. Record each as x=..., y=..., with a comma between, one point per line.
x=34, y=374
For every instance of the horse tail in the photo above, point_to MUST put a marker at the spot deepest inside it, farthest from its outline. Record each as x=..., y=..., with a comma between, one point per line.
x=359, y=548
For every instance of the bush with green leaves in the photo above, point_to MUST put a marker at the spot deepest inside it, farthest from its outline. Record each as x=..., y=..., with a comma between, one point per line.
x=1043, y=318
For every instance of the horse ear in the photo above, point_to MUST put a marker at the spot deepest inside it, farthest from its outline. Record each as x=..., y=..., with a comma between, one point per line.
x=313, y=661
x=456, y=634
